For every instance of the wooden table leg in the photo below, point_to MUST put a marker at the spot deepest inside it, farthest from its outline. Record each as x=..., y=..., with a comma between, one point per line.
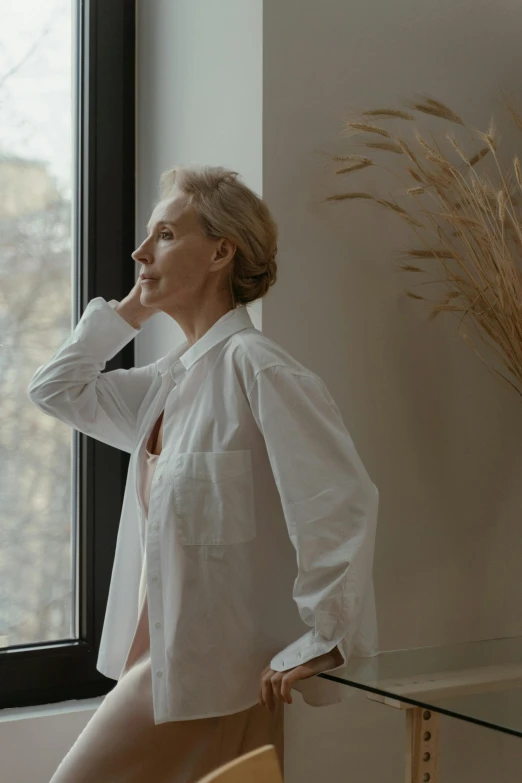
x=422, y=739
x=422, y=745
x=422, y=724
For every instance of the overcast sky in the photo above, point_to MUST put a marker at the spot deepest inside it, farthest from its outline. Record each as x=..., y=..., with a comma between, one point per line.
x=36, y=100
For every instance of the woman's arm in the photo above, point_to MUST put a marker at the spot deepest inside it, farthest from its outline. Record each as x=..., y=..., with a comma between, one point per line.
x=72, y=387
x=329, y=502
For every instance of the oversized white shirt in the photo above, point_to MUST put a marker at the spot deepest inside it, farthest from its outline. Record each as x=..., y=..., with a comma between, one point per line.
x=262, y=518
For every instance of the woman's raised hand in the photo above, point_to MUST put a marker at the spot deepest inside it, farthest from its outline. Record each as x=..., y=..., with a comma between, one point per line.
x=132, y=310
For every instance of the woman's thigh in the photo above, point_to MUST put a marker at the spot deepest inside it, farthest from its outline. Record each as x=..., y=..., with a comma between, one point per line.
x=122, y=744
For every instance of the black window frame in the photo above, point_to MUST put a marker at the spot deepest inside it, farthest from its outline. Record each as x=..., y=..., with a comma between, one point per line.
x=105, y=79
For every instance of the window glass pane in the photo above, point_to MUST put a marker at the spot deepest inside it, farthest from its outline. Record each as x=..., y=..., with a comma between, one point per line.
x=37, y=537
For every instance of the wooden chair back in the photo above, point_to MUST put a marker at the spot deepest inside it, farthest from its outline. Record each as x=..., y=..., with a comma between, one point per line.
x=258, y=766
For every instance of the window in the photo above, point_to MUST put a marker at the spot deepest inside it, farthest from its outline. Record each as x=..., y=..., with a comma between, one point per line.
x=67, y=153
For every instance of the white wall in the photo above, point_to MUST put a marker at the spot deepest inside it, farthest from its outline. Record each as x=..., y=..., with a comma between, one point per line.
x=33, y=740
x=262, y=90
x=200, y=100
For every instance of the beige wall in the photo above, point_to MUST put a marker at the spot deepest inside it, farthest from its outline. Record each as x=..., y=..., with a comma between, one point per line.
x=438, y=433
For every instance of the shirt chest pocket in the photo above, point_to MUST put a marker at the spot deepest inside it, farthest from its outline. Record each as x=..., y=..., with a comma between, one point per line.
x=213, y=494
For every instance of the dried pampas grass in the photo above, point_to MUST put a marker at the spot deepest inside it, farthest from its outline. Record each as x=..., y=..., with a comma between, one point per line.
x=467, y=221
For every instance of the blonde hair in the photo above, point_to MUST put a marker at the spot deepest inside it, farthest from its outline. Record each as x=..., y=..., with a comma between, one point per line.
x=226, y=207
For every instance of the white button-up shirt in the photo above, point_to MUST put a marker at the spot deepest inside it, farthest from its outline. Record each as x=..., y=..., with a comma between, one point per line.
x=262, y=518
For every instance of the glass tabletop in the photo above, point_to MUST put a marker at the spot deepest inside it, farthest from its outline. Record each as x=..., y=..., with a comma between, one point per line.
x=478, y=681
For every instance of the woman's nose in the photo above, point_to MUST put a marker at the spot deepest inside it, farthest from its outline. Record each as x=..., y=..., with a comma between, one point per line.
x=137, y=255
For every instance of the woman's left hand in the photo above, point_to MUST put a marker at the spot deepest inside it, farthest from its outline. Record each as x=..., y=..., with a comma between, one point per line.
x=277, y=685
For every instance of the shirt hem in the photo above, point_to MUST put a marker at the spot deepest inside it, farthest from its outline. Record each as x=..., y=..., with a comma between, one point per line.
x=209, y=715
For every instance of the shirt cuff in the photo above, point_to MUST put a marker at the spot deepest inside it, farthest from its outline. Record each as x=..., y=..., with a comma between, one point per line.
x=304, y=649
x=101, y=330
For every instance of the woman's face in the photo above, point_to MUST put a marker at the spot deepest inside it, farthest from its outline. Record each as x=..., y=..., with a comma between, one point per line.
x=183, y=262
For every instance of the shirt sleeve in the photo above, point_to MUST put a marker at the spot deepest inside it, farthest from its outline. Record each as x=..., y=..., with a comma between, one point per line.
x=72, y=387
x=329, y=502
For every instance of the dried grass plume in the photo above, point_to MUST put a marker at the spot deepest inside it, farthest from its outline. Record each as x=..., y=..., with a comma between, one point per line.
x=464, y=207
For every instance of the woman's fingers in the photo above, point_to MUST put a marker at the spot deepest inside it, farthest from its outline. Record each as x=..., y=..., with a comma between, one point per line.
x=275, y=685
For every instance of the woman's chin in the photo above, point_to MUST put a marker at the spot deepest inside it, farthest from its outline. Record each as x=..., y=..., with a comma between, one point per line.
x=145, y=299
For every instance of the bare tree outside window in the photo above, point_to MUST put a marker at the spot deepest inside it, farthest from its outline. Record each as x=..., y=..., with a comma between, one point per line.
x=36, y=299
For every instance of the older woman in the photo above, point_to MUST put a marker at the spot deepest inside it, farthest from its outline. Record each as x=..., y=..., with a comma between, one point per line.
x=245, y=547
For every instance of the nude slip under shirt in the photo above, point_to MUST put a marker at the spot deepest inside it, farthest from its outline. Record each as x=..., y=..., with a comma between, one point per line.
x=147, y=474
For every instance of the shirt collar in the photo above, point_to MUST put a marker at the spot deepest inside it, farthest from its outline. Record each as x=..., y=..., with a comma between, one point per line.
x=181, y=358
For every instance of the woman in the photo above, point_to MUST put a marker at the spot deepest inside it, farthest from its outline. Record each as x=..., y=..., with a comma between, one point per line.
x=240, y=461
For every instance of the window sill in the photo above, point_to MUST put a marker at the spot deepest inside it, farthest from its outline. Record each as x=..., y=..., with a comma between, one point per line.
x=45, y=710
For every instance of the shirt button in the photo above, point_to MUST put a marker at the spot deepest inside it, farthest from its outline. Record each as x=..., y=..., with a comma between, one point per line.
x=154, y=578
x=282, y=663
x=157, y=625
x=159, y=674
